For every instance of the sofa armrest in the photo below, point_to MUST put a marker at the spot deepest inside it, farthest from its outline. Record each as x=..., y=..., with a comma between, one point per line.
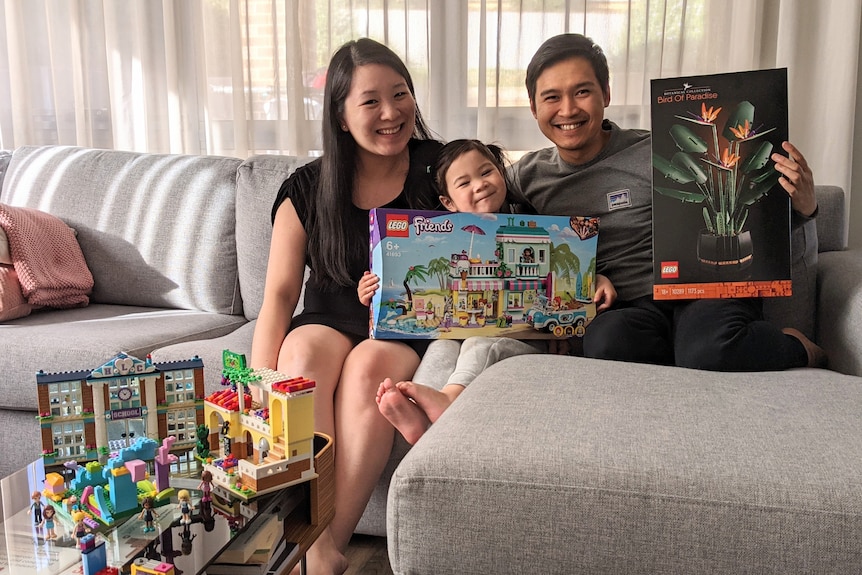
x=839, y=307
x=831, y=225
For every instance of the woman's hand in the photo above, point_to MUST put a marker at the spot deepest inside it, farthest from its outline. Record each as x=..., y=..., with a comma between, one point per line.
x=367, y=287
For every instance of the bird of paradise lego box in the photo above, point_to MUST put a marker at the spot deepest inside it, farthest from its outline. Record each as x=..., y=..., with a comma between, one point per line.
x=448, y=275
x=721, y=220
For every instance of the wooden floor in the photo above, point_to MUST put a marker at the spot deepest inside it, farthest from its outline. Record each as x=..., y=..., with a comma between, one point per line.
x=367, y=555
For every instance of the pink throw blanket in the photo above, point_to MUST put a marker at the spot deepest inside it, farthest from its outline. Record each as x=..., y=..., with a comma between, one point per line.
x=46, y=257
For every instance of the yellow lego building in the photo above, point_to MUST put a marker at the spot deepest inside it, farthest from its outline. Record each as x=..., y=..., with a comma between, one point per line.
x=259, y=447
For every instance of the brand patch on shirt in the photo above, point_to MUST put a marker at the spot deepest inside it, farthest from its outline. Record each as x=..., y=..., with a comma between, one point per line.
x=619, y=199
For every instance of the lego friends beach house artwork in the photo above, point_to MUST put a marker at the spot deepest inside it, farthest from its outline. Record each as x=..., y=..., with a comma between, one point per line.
x=446, y=275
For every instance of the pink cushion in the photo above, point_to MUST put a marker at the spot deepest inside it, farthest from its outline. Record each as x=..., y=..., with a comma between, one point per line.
x=46, y=255
x=12, y=302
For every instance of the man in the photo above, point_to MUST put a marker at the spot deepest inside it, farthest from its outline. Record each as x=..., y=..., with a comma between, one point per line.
x=596, y=168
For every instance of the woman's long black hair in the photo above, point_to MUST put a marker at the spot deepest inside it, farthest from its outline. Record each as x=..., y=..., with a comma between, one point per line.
x=331, y=247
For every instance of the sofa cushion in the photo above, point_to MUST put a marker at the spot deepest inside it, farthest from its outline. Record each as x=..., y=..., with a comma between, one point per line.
x=27, y=444
x=5, y=158
x=570, y=465
x=5, y=254
x=210, y=351
x=13, y=304
x=258, y=181
x=83, y=338
x=156, y=230
x=839, y=292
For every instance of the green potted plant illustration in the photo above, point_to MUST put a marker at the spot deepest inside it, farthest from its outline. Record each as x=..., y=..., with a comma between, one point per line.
x=726, y=173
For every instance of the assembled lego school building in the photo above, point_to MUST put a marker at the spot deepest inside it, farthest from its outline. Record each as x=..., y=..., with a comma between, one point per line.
x=88, y=413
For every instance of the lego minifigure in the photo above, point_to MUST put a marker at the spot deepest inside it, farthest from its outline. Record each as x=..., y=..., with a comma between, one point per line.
x=48, y=520
x=206, y=486
x=185, y=506
x=147, y=514
x=36, y=508
x=80, y=529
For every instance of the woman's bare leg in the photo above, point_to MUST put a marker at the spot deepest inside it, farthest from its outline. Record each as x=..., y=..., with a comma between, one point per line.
x=363, y=442
x=365, y=436
x=318, y=353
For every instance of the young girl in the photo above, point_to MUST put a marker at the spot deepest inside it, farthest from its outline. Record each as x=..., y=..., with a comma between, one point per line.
x=470, y=177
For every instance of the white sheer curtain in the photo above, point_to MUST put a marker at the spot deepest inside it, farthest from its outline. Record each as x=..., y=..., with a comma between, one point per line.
x=238, y=77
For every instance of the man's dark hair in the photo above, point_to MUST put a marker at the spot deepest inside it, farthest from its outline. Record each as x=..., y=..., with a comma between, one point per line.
x=563, y=47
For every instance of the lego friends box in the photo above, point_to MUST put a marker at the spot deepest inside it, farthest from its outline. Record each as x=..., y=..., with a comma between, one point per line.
x=721, y=221
x=447, y=275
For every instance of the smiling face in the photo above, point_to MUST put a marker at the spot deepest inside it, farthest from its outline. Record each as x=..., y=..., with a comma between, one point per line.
x=379, y=111
x=569, y=108
x=475, y=184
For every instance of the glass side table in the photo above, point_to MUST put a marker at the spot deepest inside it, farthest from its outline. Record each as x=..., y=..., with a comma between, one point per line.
x=303, y=510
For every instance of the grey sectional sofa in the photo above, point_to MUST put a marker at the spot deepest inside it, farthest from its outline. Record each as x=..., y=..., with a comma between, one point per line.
x=178, y=248
x=560, y=465
x=545, y=464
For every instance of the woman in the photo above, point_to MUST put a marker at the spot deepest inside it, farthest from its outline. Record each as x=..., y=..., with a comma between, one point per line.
x=376, y=153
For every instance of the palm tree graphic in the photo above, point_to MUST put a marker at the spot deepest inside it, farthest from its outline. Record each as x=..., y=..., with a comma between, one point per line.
x=414, y=273
x=439, y=267
x=564, y=262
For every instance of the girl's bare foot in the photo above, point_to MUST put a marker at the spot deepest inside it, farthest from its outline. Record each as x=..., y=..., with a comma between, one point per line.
x=385, y=386
x=430, y=400
x=408, y=418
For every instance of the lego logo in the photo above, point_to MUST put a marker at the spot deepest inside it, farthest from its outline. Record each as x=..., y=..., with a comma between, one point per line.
x=670, y=269
x=396, y=225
